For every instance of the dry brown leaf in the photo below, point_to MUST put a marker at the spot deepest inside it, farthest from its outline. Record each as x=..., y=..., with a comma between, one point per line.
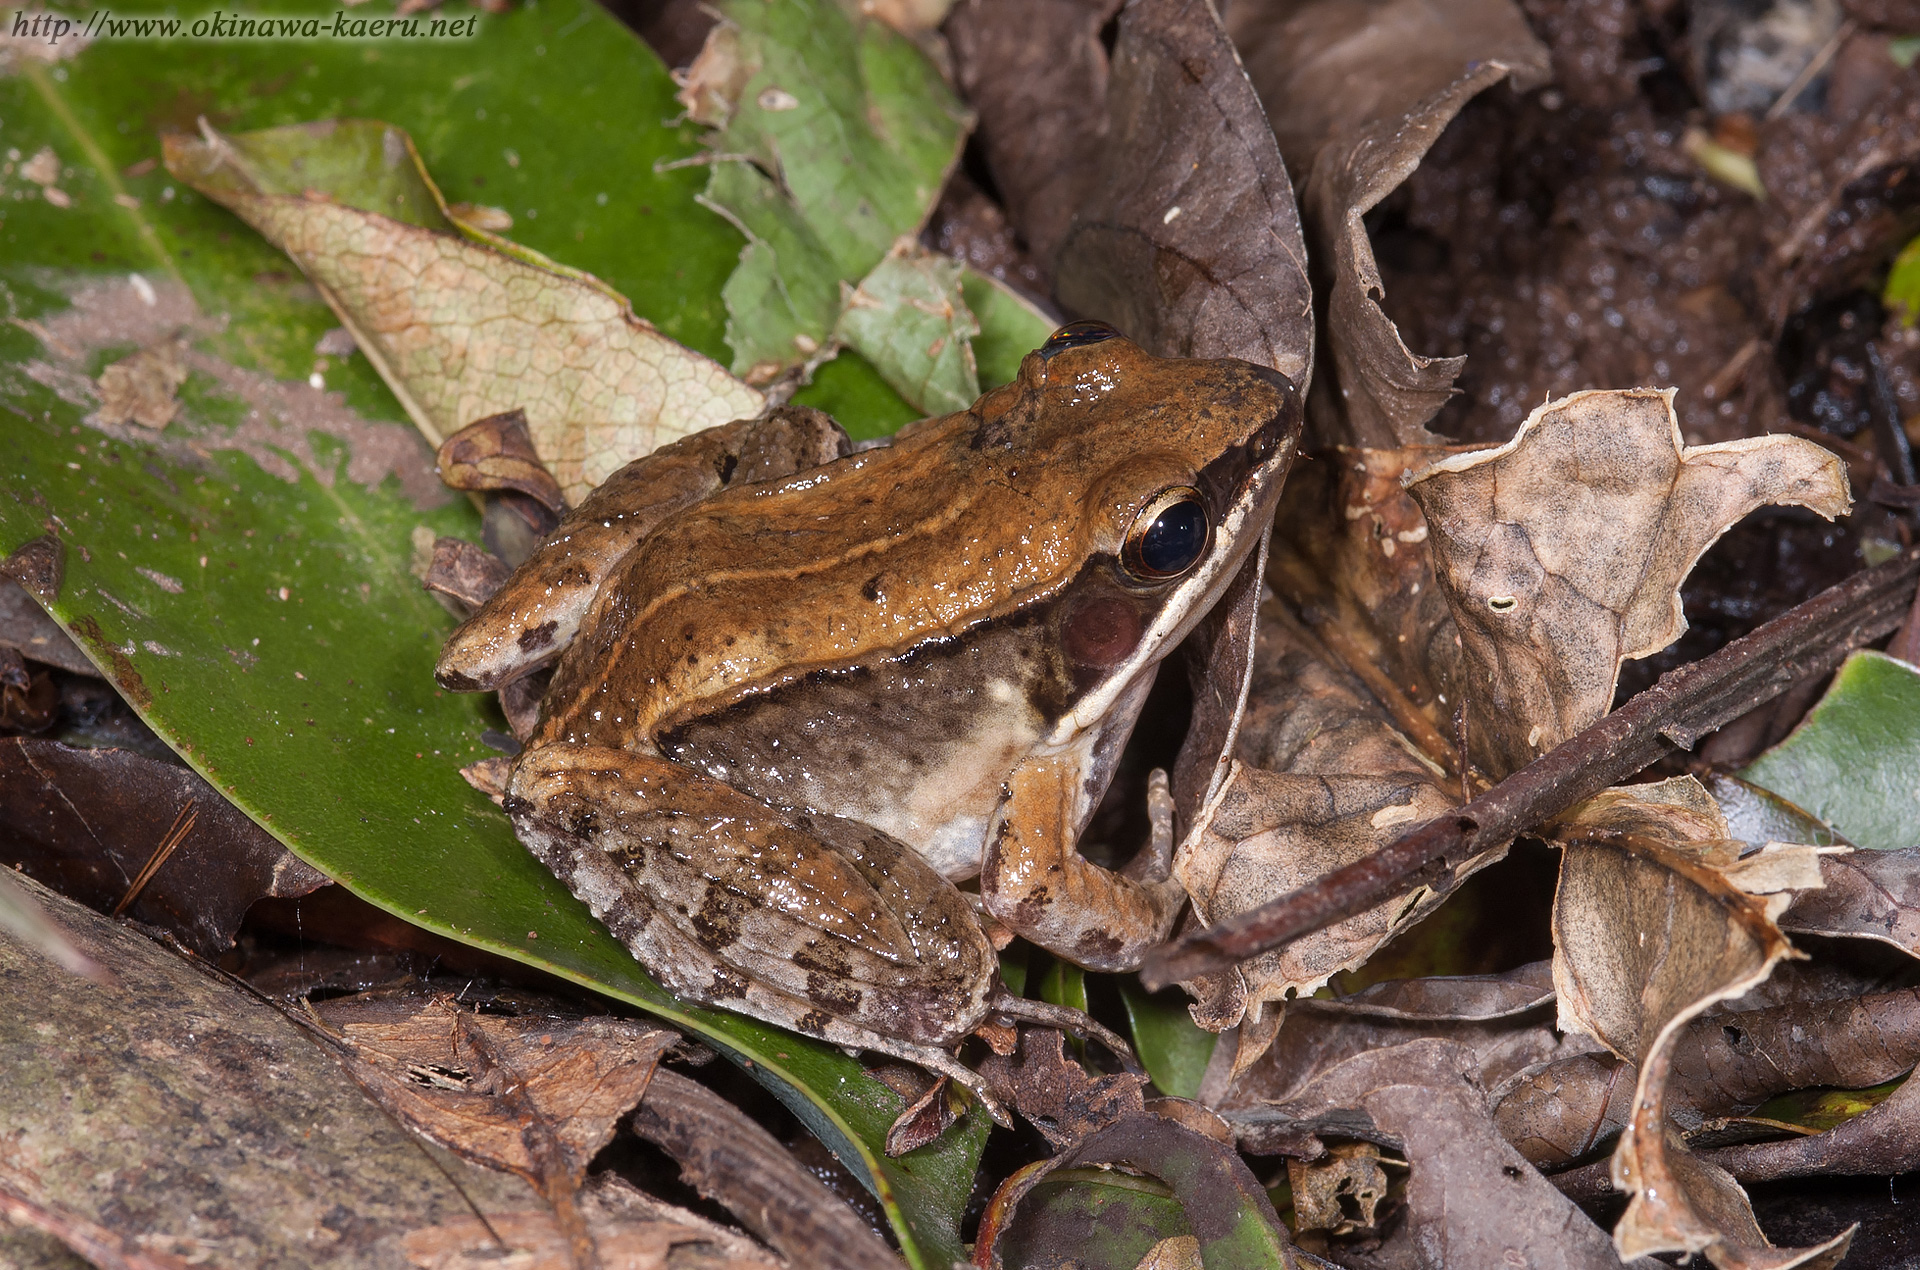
x=632, y=1231
x=1055, y=1094
x=140, y=388
x=1187, y=238
x=461, y=329
x=1357, y=93
x=1649, y=931
x=1036, y=74
x=534, y=1096
x=1884, y=1141
x=1472, y=1199
x=498, y=453
x=1562, y=552
x=1349, y=1173
x=1322, y=779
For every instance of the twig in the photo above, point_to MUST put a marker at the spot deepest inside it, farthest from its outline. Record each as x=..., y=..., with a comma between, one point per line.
x=175, y=835
x=1815, y=64
x=105, y=1248
x=1685, y=705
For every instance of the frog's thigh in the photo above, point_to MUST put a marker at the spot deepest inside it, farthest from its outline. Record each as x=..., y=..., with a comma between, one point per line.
x=1035, y=880
x=814, y=923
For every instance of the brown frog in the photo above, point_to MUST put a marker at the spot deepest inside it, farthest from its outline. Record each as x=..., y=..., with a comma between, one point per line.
x=801, y=693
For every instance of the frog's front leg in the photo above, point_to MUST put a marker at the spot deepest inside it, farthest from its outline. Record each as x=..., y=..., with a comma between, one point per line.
x=816, y=923
x=1033, y=878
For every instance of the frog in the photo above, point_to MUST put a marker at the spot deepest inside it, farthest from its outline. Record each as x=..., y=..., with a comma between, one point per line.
x=801, y=693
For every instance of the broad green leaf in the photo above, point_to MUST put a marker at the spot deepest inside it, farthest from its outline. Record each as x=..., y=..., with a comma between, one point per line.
x=1171, y=1046
x=1854, y=761
x=1097, y=1219
x=461, y=329
x=837, y=136
x=1010, y=327
x=293, y=666
x=908, y=318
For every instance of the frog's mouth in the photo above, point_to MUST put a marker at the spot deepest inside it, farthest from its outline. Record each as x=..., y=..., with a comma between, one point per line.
x=1244, y=483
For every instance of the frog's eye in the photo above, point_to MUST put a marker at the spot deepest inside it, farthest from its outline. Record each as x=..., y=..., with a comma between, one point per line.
x=1168, y=536
x=1074, y=335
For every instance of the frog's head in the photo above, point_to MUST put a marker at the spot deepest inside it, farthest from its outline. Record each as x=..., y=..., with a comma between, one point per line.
x=1172, y=467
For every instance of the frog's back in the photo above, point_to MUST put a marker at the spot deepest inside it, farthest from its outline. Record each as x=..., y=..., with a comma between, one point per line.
x=966, y=520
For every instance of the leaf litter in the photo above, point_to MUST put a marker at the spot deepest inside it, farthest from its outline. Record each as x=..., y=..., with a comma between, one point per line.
x=1440, y=615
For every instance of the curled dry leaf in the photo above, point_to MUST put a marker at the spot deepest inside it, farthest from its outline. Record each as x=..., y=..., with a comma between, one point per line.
x=1883, y=1140
x=1357, y=94
x=1562, y=552
x=1472, y=1199
x=727, y=1156
x=1652, y=925
x=1187, y=238
x=496, y=453
x=461, y=324
x=1723, y=1062
x=96, y=822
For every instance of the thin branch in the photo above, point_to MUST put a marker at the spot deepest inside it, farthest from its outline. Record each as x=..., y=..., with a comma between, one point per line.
x=1684, y=706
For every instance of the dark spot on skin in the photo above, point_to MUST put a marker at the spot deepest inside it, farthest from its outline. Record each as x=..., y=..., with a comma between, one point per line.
x=1030, y=912
x=834, y=995
x=454, y=681
x=1098, y=945
x=717, y=923
x=125, y=677
x=728, y=464
x=813, y=1023
x=514, y=806
x=535, y=638
x=687, y=631
x=1101, y=632
x=992, y=434
x=573, y=575
x=728, y=985
x=821, y=956
x=872, y=589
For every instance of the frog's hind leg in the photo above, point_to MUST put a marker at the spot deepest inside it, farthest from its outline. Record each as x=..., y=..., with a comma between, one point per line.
x=815, y=923
x=531, y=619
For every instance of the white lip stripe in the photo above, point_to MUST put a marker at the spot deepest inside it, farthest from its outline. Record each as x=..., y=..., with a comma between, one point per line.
x=1178, y=615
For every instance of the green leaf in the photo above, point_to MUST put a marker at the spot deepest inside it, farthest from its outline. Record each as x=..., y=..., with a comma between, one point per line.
x=1010, y=327
x=1064, y=984
x=1818, y=1110
x=1173, y=1048
x=838, y=136
x=909, y=320
x=1852, y=760
x=293, y=667
x=1901, y=295
x=1096, y=1219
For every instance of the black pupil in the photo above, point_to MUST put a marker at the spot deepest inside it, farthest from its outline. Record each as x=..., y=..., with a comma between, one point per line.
x=1175, y=539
